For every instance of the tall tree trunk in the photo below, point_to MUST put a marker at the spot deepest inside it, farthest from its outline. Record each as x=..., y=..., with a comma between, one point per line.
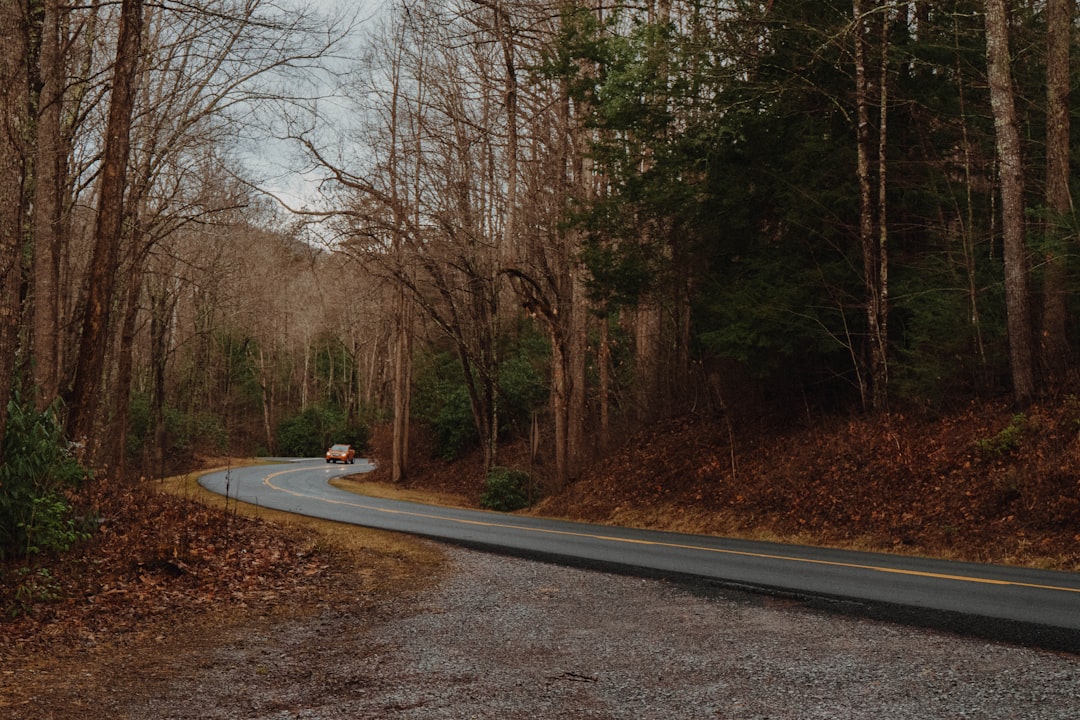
x=109, y=225
x=577, y=349
x=966, y=218
x=50, y=168
x=1011, y=171
x=647, y=329
x=604, y=391
x=402, y=387
x=874, y=268
x=117, y=455
x=162, y=307
x=13, y=119
x=402, y=315
x=880, y=347
x=266, y=386
x=1054, y=346
x=560, y=393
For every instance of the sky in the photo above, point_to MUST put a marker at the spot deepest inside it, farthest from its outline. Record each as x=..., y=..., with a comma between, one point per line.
x=279, y=166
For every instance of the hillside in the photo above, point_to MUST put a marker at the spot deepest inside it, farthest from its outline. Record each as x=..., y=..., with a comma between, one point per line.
x=983, y=484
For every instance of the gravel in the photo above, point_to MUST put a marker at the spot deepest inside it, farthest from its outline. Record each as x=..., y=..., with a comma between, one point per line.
x=510, y=638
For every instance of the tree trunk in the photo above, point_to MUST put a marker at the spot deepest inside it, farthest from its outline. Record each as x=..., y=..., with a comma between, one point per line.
x=560, y=405
x=266, y=386
x=50, y=168
x=873, y=245
x=646, y=319
x=1011, y=171
x=1054, y=347
x=109, y=225
x=402, y=387
x=880, y=346
x=577, y=348
x=13, y=116
x=162, y=306
x=604, y=362
x=122, y=396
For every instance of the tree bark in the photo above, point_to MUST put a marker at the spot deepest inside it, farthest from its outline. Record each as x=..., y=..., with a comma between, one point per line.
x=50, y=170
x=604, y=362
x=118, y=423
x=1054, y=346
x=1011, y=178
x=109, y=225
x=873, y=245
x=576, y=444
x=402, y=387
x=13, y=118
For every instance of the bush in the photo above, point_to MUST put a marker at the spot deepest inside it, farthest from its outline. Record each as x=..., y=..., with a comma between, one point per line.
x=523, y=388
x=184, y=431
x=441, y=401
x=193, y=431
x=35, y=472
x=309, y=433
x=506, y=490
x=1007, y=441
x=29, y=586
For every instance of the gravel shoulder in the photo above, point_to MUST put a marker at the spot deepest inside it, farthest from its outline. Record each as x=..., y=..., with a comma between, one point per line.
x=499, y=637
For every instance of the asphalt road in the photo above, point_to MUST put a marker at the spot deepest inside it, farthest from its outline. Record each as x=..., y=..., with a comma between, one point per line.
x=1022, y=605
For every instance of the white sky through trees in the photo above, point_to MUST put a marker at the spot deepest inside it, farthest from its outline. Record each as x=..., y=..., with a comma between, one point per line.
x=313, y=102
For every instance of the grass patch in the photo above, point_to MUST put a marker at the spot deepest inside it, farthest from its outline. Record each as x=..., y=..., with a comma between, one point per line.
x=393, y=492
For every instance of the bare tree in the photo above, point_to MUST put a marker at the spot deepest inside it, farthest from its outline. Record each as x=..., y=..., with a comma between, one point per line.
x=197, y=74
x=430, y=215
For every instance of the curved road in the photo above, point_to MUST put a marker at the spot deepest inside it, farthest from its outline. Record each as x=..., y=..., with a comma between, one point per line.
x=1033, y=607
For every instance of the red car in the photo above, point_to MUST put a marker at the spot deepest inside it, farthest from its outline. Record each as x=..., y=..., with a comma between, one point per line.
x=344, y=453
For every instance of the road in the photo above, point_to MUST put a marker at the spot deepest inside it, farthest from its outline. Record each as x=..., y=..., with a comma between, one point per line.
x=1023, y=605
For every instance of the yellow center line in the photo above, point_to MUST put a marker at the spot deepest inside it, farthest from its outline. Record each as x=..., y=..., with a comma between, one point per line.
x=680, y=546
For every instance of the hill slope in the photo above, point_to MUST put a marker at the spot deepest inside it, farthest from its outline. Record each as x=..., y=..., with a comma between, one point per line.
x=983, y=484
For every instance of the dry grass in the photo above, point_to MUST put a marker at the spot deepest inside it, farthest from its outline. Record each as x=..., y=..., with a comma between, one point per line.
x=394, y=492
x=404, y=557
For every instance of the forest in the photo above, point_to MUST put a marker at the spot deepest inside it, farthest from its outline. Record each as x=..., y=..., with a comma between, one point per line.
x=235, y=227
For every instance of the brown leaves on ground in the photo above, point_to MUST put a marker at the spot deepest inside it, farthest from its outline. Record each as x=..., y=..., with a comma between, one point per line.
x=166, y=580
x=156, y=555
x=984, y=484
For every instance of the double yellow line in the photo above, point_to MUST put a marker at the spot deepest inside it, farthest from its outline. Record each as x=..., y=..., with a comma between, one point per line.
x=268, y=481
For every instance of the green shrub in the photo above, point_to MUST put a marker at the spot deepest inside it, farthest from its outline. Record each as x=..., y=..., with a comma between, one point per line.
x=1006, y=441
x=49, y=526
x=523, y=387
x=195, y=430
x=35, y=472
x=441, y=401
x=310, y=432
x=305, y=434
x=29, y=587
x=506, y=490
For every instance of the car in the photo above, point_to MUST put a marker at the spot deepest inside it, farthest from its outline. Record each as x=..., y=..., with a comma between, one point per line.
x=344, y=453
